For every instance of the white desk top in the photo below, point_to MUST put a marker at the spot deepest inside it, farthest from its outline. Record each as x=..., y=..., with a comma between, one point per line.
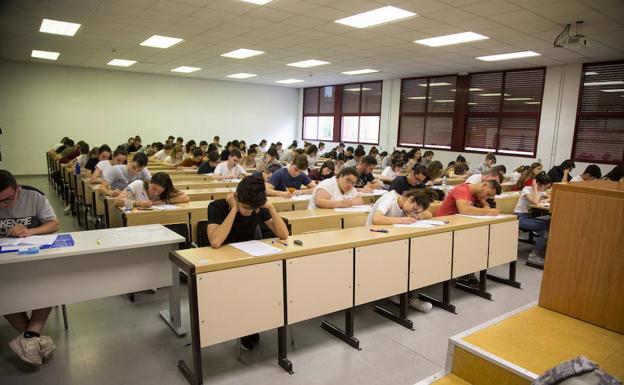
x=105, y=240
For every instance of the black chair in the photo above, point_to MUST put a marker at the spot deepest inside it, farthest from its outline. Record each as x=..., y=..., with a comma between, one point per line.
x=202, y=234
x=182, y=229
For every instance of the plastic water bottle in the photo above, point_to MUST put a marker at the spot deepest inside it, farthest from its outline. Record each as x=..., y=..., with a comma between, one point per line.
x=77, y=168
x=444, y=182
x=128, y=202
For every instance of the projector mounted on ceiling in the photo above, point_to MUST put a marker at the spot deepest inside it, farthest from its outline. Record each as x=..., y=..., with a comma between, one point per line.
x=565, y=39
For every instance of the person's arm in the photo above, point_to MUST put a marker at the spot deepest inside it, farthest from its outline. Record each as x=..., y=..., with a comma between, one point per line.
x=276, y=224
x=179, y=197
x=464, y=207
x=217, y=233
x=22, y=231
x=272, y=192
x=323, y=200
x=309, y=189
x=105, y=188
x=96, y=176
x=534, y=195
x=380, y=219
x=120, y=201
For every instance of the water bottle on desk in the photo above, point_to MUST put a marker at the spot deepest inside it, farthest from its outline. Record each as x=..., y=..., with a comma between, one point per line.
x=77, y=168
x=128, y=201
x=444, y=185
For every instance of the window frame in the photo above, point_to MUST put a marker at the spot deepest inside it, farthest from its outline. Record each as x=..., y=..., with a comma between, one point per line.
x=318, y=114
x=360, y=113
x=501, y=114
x=580, y=115
x=426, y=114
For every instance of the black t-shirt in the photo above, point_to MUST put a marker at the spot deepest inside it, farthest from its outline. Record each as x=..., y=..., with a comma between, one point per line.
x=363, y=179
x=244, y=228
x=205, y=168
x=225, y=154
x=401, y=185
x=91, y=164
x=556, y=174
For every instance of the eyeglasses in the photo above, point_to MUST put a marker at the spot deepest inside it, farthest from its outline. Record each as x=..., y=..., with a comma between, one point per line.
x=415, y=213
x=350, y=181
x=9, y=199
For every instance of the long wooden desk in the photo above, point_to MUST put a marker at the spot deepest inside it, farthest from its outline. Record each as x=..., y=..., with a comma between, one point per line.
x=102, y=263
x=312, y=220
x=185, y=185
x=356, y=266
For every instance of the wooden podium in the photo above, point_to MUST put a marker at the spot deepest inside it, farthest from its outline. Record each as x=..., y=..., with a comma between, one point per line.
x=584, y=270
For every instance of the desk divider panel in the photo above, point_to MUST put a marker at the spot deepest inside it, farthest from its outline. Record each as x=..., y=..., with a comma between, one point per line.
x=503, y=243
x=357, y=220
x=470, y=250
x=381, y=270
x=319, y=224
x=238, y=302
x=431, y=258
x=319, y=284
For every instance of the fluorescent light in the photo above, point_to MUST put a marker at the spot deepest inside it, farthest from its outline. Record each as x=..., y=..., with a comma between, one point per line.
x=532, y=102
x=472, y=103
x=44, y=54
x=475, y=89
x=590, y=73
x=59, y=27
x=121, y=62
x=356, y=89
x=614, y=90
x=494, y=94
x=241, y=75
x=508, y=56
x=375, y=17
x=308, y=63
x=611, y=83
x=360, y=72
x=185, y=69
x=289, y=81
x=515, y=152
x=258, y=2
x=416, y=97
x=444, y=101
x=158, y=41
x=480, y=149
x=242, y=53
x=517, y=99
x=434, y=84
x=411, y=144
x=456, y=38
x=438, y=146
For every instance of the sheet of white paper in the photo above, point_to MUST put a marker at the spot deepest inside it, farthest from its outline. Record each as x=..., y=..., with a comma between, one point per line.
x=355, y=209
x=483, y=216
x=301, y=197
x=232, y=180
x=432, y=222
x=9, y=241
x=16, y=248
x=39, y=240
x=164, y=207
x=256, y=248
x=417, y=225
x=379, y=191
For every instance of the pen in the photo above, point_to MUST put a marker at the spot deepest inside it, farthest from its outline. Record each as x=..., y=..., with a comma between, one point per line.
x=280, y=242
x=379, y=230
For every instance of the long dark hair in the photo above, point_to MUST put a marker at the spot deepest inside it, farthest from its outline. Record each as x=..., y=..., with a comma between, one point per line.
x=163, y=180
x=422, y=196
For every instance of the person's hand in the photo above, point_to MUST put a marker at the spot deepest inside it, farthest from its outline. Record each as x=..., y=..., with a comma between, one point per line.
x=345, y=203
x=429, y=183
x=285, y=194
x=298, y=192
x=367, y=188
x=144, y=204
x=19, y=231
x=231, y=201
x=406, y=220
x=493, y=212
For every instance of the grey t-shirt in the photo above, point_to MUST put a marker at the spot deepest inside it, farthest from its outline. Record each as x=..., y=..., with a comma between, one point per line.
x=31, y=209
x=118, y=177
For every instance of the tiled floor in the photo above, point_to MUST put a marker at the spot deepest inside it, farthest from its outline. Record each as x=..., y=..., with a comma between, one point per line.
x=114, y=342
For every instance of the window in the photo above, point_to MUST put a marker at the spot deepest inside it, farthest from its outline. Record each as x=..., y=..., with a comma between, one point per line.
x=599, y=131
x=318, y=113
x=427, y=112
x=360, y=112
x=503, y=112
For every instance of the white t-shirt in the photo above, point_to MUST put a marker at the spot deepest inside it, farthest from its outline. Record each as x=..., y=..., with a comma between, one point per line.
x=160, y=155
x=103, y=165
x=388, y=206
x=234, y=173
x=331, y=186
x=139, y=193
x=388, y=172
x=576, y=179
x=522, y=207
x=119, y=178
x=82, y=159
x=475, y=179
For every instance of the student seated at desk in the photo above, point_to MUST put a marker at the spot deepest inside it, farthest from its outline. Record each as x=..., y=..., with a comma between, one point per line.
x=287, y=181
x=25, y=211
x=230, y=169
x=435, y=170
x=270, y=157
x=175, y=157
x=337, y=191
x=393, y=208
x=358, y=155
x=209, y=166
x=117, y=178
x=470, y=199
x=533, y=195
x=119, y=157
x=389, y=173
x=457, y=168
x=489, y=174
x=164, y=153
x=526, y=179
x=366, y=181
x=561, y=172
x=250, y=161
x=615, y=175
x=81, y=159
x=159, y=190
x=194, y=161
x=592, y=172
x=237, y=219
x=103, y=153
x=326, y=171
x=490, y=161
x=417, y=177
x=266, y=173
x=427, y=158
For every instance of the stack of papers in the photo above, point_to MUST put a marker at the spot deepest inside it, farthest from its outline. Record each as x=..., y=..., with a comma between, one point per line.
x=9, y=244
x=256, y=248
x=424, y=224
x=483, y=216
x=356, y=208
x=165, y=207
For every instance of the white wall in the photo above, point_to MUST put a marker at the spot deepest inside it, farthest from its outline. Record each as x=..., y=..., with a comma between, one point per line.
x=556, y=132
x=39, y=104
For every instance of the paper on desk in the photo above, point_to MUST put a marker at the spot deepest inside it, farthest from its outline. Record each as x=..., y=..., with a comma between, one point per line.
x=379, y=191
x=231, y=180
x=35, y=240
x=483, y=216
x=355, y=209
x=164, y=207
x=301, y=197
x=416, y=225
x=256, y=248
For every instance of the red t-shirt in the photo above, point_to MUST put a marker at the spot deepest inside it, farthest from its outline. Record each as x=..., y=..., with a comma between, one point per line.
x=449, y=205
x=528, y=183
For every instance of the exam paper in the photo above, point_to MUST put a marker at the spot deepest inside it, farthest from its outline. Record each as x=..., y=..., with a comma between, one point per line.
x=164, y=207
x=35, y=240
x=416, y=225
x=355, y=209
x=301, y=197
x=483, y=216
x=256, y=248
